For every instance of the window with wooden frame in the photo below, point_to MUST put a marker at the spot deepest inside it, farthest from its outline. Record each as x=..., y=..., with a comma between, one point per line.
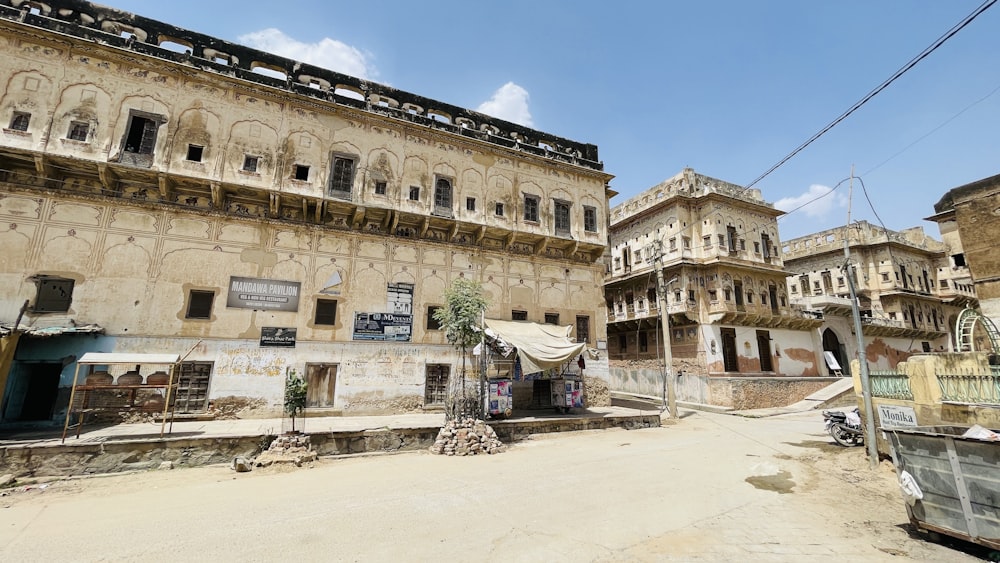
x=19, y=121
x=531, y=208
x=326, y=312
x=199, y=304
x=78, y=131
x=342, y=176
x=53, y=294
x=560, y=210
x=589, y=219
x=250, y=163
x=141, y=135
x=583, y=328
x=442, y=197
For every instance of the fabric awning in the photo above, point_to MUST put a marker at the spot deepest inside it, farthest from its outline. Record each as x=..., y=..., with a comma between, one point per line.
x=102, y=358
x=539, y=346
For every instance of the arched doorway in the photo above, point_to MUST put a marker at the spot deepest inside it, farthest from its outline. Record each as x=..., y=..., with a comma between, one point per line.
x=832, y=344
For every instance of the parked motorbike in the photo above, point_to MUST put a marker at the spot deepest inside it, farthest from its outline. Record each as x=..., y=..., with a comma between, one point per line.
x=845, y=427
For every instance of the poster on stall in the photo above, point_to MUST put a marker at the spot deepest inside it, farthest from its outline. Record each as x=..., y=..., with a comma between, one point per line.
x=577, y=394
x=500, y=396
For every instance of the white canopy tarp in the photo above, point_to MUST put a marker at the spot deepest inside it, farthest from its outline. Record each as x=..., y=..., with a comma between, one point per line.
x=540, y=347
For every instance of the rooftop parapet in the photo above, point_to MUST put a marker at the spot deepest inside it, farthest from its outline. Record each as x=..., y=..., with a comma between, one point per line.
x=125, y=30
x=861, y=233
x=687, y=183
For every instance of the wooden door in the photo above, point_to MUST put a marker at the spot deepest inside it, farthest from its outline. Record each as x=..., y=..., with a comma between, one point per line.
x=321, y=385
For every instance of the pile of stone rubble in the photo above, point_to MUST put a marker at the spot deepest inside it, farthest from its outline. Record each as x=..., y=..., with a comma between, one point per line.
x=287, y=448
x=466, y=436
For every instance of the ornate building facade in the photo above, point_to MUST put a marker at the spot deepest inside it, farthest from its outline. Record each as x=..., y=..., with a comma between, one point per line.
x=160, y=193
x=908, y=298
x=735, y=339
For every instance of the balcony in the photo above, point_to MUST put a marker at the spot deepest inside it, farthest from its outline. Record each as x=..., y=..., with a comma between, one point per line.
x=647, y=310
x=828, y=304
x=762, y=316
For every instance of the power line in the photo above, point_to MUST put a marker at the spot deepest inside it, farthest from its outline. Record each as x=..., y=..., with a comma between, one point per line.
x=932, y=131
x=913, y=62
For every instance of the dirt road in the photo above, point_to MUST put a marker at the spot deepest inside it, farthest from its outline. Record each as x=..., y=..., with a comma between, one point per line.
x=708, y=488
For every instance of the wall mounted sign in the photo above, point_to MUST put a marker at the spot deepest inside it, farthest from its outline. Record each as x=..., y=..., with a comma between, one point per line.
x=400, y=300
x=382, y=326
x=256, y=293
x=893, y=415
x=277, y=337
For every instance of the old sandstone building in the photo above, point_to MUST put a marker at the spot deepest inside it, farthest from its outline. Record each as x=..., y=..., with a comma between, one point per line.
x=735, y=339
x=167, y=191
x=969, y=220
x=909, y=299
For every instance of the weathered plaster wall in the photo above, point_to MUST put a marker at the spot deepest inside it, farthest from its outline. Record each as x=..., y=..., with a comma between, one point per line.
x=138, y=233
x=739, y=393
x=886, y=353
x=136, y=290
x=793, y=352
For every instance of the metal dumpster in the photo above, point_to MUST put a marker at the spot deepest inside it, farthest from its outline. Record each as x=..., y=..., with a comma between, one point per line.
x=958, y=478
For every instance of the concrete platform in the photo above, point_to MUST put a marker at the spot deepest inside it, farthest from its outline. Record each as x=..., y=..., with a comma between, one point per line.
x=124, y=447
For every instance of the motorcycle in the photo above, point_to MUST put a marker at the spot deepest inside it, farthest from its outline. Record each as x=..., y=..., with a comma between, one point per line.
x=845, y=427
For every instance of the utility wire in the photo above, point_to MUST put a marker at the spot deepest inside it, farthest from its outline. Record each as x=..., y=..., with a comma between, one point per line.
x=932, y=131
x=913, y=62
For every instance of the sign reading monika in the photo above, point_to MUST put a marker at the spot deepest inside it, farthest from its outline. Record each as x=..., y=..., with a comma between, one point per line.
x=892, y=415
x=256, y=293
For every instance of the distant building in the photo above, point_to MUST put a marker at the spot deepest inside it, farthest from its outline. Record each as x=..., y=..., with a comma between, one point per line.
x=168, y=191
x=969, y=219
x=908, y=302
x=735, y=338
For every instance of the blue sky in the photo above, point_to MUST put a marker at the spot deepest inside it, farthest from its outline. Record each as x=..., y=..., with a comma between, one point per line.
x=726, y=87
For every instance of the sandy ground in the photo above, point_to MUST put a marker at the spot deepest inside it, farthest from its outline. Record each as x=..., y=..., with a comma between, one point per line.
x=706, y=488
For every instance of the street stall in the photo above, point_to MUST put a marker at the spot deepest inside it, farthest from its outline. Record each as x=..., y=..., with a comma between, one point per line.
x=109, y=385
x=531, y=365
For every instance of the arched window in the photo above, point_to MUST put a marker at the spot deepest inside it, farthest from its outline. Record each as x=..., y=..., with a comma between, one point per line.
x=442, y=196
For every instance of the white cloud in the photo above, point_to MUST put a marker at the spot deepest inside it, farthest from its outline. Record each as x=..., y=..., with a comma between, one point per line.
x=510, y=102
x=817, y=201
x=326, y=53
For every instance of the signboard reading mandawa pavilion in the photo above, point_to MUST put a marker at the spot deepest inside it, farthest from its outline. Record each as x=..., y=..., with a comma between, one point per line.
x=256, y=293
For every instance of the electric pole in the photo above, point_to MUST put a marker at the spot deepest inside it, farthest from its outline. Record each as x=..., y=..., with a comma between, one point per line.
x=670, y=399
x=866, y=390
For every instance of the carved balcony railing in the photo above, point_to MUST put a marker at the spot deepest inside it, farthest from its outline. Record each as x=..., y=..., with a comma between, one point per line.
x=971, y=388
x=890, y=385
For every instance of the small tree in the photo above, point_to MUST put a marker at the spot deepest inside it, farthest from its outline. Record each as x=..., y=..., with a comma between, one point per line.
x=295, y=395
x=460, y=318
